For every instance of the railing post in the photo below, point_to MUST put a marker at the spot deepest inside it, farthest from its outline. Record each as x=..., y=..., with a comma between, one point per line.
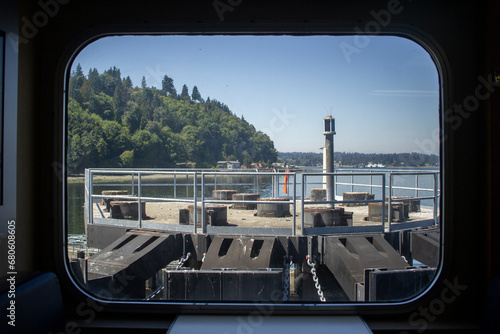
x=91, y=199
x=203, y=222
x=335, y=180
x=195, y=200
x=86, y=218
x=371, y=182
x=389, y=205
x=255, y=181
x=175, y=184
x=133, y=186
x=294, y=202
x=302, y=204
x=435, y=204
x=277, y=195
x=139, y=193
x=87, y=202
x=272, y=183
x=416, y=184
x=383, y=202
x=352, y=182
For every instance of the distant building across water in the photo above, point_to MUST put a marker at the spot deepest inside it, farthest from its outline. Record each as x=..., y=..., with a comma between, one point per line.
x=229, y=164
x=371, y=165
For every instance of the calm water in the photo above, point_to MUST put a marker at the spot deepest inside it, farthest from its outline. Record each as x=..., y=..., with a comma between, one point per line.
x=263, y=184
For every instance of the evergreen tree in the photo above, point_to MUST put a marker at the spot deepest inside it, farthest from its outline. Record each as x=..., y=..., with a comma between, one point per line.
x=174, y=93
x=119, y=100
x=75, y=84
x=132, y=120
x=185, y=93
x=143, y=83
x=78, y=70
x=86, y=91
x=95, y=81
x=127, y=82
x=115, y=73
x=167, y=85
x=146, y=103
x=109, y=83
x=195, y=95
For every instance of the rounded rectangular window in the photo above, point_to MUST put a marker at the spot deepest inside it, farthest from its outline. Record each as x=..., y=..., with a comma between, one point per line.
x=230, y=168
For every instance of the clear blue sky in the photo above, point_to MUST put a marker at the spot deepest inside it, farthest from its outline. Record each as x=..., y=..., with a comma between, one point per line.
x=384, y=97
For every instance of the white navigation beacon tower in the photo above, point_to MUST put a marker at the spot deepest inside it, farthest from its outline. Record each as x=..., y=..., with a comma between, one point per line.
x=328, y=161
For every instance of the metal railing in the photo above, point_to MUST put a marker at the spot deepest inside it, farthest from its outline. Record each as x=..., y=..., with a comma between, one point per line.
x=90, y=196
x=199, y=181
x=291, y=201
x=434, y=197
x=304, y=201
x=416, y=188
x=77, y=243
x=371, y=185
x=196, y=179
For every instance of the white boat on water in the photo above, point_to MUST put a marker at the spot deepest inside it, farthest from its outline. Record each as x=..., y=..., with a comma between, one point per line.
x=370, y=165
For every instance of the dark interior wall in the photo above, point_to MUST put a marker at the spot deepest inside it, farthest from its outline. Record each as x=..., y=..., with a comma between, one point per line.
x=455, y=32
x=8, y=24
x=491, y=57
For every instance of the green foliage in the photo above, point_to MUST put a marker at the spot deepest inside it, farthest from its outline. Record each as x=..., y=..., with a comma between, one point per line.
x=127, y=83
x=185, y=93
x=132, y=119
x=167, y=86
x=195, y=95
x=127, y=159
x=147, y=149
x=86, y=143
x=112, y=124
x=100, y=104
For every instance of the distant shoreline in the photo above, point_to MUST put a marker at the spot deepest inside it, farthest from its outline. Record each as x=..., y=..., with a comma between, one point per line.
x=80, y=178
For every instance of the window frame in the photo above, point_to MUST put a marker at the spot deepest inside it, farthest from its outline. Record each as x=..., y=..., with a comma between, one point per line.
x=3, y=37
x=444, y=266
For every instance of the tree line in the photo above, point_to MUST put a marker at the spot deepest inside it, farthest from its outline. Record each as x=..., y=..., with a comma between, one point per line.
x=362, y=159
x=111, y=123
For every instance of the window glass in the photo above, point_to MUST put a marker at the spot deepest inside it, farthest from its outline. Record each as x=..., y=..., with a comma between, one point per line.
x=288, y=169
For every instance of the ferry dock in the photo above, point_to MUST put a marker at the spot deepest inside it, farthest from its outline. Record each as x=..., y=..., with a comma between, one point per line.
x=356, y=251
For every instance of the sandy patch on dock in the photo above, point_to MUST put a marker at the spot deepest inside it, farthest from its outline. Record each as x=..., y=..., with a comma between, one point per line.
x=168, y=212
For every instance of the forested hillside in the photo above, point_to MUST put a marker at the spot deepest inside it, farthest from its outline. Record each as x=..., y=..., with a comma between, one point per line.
x=111, y=123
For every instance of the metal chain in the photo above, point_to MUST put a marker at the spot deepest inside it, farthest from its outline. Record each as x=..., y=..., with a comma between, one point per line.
x=315, y=278
x=183, y=260
x=157, y=291
x=286, y=283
